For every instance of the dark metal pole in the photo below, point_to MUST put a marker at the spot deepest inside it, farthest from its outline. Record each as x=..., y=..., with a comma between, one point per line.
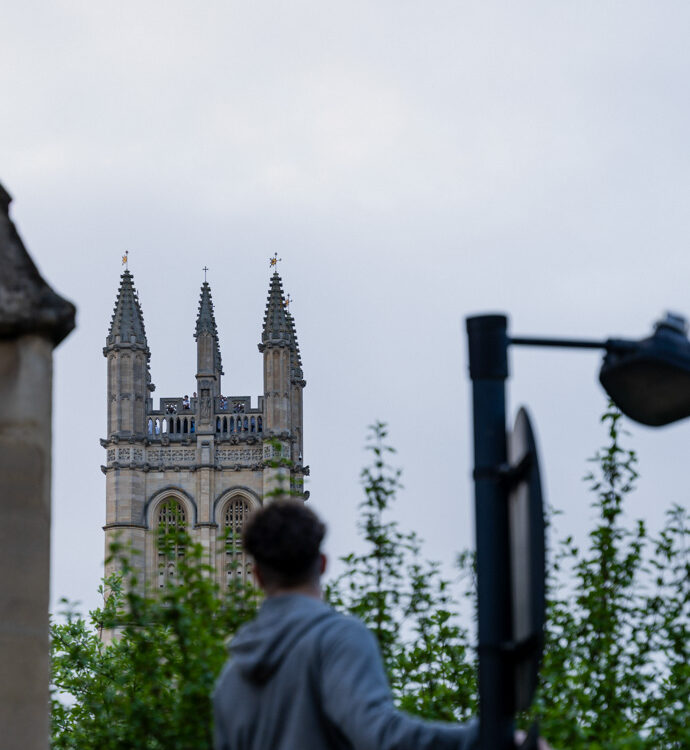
x=565, y=343
x=488, y=345
x=610, y=345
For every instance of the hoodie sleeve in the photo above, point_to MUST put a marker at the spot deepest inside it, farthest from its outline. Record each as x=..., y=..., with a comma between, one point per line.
x=357, y=700
x=220, y=733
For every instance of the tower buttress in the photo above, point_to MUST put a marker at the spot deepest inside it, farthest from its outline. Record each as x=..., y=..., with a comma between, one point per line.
x=209, y=367
x=128, y=355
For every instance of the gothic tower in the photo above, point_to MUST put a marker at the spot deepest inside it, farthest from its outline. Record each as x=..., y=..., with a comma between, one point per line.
x=203, y=461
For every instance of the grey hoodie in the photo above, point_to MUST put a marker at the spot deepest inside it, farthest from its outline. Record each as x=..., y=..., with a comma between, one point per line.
x=303, y=677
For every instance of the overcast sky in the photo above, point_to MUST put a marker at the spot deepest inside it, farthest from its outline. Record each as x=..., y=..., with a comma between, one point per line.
x=412, y=163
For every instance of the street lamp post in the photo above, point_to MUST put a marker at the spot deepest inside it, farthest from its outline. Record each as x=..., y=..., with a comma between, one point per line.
x=488, y=348
x=649, y=380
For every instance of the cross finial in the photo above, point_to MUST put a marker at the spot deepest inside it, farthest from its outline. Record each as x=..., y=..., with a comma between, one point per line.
x=204, y=269
x=273, y=262
x=125, y=260
x=287, y=301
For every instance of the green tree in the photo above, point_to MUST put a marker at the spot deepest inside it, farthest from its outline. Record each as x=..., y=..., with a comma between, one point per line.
x=668, y=609
x=615, y=672
x=405, y=601
x=149, y=686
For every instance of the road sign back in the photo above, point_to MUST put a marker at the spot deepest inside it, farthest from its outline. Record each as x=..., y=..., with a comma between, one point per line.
x=527, y=558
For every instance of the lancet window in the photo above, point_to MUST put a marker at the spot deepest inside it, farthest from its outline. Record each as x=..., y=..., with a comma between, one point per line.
x=238, y=567
x=171, y=522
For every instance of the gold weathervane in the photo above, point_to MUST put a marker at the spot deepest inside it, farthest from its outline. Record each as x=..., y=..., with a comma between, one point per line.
x=273, y=262
x=286, y=302
x=125, y=260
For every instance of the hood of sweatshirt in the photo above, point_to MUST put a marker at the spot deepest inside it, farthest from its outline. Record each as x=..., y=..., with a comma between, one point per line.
x=260, y=646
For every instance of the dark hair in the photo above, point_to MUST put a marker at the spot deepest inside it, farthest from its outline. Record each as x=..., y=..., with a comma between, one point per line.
x=284, y=538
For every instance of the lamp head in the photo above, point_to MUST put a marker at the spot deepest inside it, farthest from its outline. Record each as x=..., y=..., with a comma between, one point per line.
x=649, y=380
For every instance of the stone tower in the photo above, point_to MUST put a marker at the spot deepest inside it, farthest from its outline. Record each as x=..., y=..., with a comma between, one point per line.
x=203, y=461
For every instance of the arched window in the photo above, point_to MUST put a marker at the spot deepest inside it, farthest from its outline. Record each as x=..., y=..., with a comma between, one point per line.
x=191, y=426
x=164, y=428
x=217, y=424
x=232, y=424
x=237, y=566
x=158, y=427
x=149, y=426
x=253, y=425
x=246, y=424
x=225, y=424
x=261, y=424
x=185, y=425
x=177, y=426
x=171, y=522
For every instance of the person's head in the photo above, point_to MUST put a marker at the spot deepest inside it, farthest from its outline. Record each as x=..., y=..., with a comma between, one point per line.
x=284, y=538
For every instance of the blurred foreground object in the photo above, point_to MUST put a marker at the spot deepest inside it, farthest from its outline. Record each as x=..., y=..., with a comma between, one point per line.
x=33, y=320
x=649, y=380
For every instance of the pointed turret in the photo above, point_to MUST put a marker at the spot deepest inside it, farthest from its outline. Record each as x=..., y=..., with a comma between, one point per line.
x=206, y=324
x=127, y=351
x=127, y=323
x=282, y=368
x=283, y=385
x=209, y=365
x=277, y=327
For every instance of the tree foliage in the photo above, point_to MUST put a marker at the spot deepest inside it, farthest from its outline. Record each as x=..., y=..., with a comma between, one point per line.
x=616, y=670
x=139, y=672
x=406, y=602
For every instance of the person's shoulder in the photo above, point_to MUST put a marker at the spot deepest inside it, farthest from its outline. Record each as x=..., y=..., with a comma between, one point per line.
x=340, y=629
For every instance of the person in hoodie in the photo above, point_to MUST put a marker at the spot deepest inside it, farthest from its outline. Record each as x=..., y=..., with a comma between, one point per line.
x=302, y=676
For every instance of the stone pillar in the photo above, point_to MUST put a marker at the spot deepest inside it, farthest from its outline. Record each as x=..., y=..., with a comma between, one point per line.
x=33, y=319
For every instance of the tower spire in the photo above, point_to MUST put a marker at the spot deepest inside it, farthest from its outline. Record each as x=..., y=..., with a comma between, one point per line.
x=206, y=323
x=283, y=379
x=127, y=322
x=128, y=355
x=277, y=328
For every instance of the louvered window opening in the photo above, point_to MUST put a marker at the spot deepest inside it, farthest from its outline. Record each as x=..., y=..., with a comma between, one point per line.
x=171, y=518
x=238, y=567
